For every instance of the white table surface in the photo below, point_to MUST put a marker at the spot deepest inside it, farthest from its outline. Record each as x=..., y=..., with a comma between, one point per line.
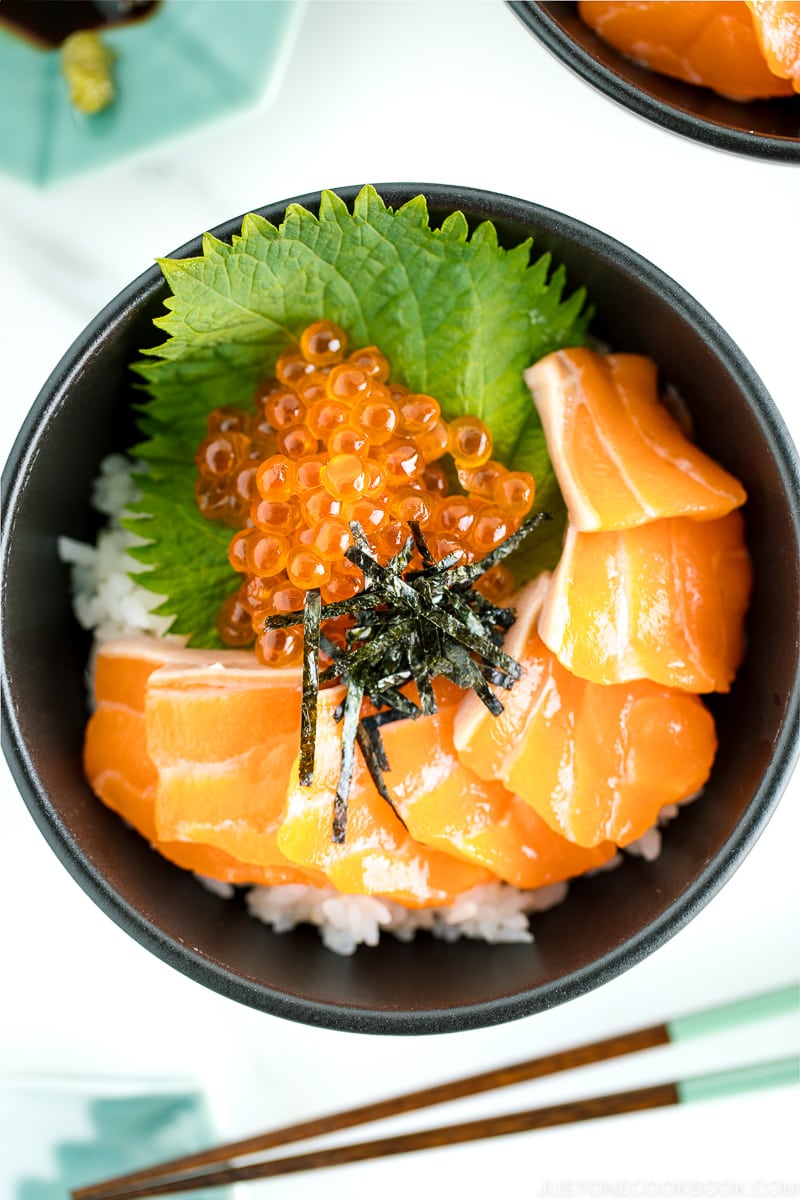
x=452, y=92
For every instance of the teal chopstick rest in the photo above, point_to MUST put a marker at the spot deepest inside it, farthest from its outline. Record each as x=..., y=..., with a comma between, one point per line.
x=67, y=1134
x=186, y=63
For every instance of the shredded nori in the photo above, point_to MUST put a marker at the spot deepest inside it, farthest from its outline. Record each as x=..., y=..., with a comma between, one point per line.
x=409, y=627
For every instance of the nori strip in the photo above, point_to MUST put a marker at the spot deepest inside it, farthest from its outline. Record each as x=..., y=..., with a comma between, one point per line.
x=308, y=709
x=371, y=747
x=410, y=626
x=352, y=714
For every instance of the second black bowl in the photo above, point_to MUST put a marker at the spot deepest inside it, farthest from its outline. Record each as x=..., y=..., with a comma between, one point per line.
x=760, y=128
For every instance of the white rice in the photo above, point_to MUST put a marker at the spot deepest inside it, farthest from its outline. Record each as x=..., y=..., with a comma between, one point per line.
x=493, y=912
x=108, y=602
x=105, y=599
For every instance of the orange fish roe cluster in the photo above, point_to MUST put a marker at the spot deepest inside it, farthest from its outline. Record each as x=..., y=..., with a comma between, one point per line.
x=333, y=440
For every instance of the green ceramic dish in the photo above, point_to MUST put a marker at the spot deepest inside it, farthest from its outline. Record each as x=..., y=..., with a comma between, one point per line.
x=184, y=64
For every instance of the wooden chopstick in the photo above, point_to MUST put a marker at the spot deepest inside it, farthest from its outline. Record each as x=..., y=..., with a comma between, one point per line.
x=534, y=1068
x=773, y=1074
x=425, y=1139
x=171, y=1176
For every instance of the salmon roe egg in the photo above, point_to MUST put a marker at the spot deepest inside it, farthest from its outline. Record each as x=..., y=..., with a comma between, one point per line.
x=344, y=477
x=409, y=505
x=496, y=584
x=306, y=569
x=441, y=545
x=292, y=365
x=288, y=598
x=369, y=513
x=348, y=439
x=297, y=442
x=402, y=462
x=284, y=409
x=275, y=516
x=481, y=481
x=455, y=515
x=347, y=382
x=256, y=594
x=265, y=390
x=376, y=477
x=434, y=479
x=469, y=441
x=323, y=343
x=325, y=416
x=378, y=417
x=263, y=440
x=492, y=526
x=311, y=388
x=370, y=360
x=515, y=491
x=390, y=538
x=266, y=553
x=234, y=624
x=318, y=505
x=220, y=454
x=245, y=490
x=433, y=443
x=331, y=538
x=419, y=413
x=308, y=474
x=228, y=419
x=213, y=499
x=280, y=647
x=237, y=550
x=343, y=583
x=275, y=478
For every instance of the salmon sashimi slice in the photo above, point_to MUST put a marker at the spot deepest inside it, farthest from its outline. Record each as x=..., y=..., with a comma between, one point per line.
x=122, y=773
x=115, y=757
x=777, y=26
x=665, y=601
x=711, y=43
x=620, y=458
x=223, y=740
x=446, y=805
x=596, y=762
x=378, y=856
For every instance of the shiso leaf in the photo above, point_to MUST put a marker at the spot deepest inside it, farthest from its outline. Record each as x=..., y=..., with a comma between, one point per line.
x=458, y=316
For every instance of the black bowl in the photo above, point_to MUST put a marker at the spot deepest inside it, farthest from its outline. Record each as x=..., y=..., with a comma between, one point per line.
x=608, y=923
x=760, y=128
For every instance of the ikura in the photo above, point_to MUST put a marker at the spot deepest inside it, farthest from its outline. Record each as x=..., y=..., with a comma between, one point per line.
x=333, y=440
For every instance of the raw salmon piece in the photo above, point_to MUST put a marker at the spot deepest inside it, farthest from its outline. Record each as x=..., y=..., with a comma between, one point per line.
x=223, y=740
x=619, y=457
x=379, y=856
x=665, y=601
x=596, y=762
x=446, y=805
x=114, y=757
x=119, y=768
x=777, y=26
x=711, y=43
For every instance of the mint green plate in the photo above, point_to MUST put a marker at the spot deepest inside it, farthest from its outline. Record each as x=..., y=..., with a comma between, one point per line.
x=189, y=62
x=57, y=1134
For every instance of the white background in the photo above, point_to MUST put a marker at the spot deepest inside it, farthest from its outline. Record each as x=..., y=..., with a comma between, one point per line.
x=455, y=93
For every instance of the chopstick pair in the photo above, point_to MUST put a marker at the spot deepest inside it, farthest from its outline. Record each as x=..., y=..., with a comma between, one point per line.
x=213, y=1168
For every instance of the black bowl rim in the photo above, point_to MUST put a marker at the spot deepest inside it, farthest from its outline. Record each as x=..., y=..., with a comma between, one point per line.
x=659, y=112
x=479, y=204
